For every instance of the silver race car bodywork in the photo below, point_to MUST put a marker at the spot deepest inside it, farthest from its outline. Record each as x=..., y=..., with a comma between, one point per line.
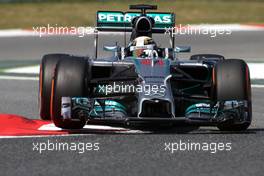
x=157, y=88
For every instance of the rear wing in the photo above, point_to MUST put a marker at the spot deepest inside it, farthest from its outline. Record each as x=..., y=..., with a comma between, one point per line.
x=121, y=21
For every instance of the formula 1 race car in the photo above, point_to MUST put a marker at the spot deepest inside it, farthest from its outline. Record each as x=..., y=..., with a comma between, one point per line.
x=143, y=83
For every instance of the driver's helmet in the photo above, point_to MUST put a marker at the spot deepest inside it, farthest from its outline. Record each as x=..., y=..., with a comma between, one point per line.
x=143, y=46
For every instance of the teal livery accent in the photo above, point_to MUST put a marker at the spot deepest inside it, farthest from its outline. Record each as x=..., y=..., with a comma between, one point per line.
x=93, y=108
x=200, y=108
x=111, y=103
x=110, y=106
x=137, y=63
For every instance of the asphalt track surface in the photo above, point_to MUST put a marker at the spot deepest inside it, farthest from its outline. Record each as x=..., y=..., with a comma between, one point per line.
x=129, y=154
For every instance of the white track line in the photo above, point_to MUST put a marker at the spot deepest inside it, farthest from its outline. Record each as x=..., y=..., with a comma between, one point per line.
x=44, y=136
x=93, y=128
x=24, y=70
x=36, y=79
x=3, y=77
x=257, y=85
x=86, y=129
x=31, y=33
x=230, y=27
x=256, y=72
x=52, y=127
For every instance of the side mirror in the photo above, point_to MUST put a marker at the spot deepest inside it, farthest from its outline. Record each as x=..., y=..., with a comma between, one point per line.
x=111, y=48
x=116, y=50
x=182, y=49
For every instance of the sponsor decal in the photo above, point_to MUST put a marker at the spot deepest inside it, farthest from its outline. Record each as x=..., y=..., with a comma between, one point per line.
x=119, y=17
x=149, y=61
x=146, y=62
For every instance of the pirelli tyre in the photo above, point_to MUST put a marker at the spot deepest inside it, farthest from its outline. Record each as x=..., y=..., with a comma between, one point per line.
x=69, y=81
x=47, y=68
x=231, y=81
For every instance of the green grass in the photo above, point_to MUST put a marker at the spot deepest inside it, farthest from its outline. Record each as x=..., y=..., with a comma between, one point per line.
x=82, y=12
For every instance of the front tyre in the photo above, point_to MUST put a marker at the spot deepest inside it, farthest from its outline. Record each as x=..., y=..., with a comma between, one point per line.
x=231, y=80
x=69, y=81
x=47, y=67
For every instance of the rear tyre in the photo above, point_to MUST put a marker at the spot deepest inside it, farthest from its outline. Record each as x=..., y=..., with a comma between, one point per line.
x=231, y=81
x=47, y=68
x=69, y=81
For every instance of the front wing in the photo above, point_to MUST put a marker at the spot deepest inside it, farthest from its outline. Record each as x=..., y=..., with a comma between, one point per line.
x=113, y=113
